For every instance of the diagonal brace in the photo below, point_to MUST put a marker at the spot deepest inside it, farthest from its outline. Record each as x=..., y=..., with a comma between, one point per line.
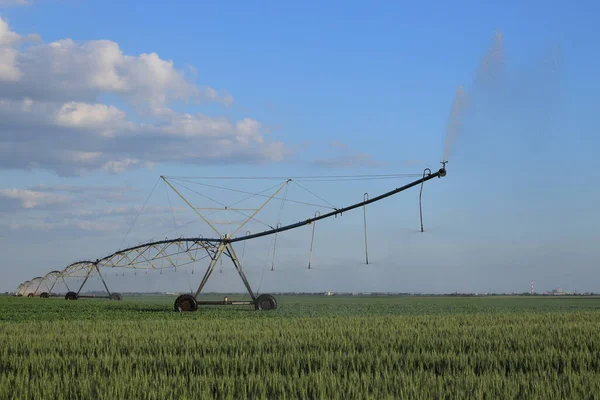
x=210, y=268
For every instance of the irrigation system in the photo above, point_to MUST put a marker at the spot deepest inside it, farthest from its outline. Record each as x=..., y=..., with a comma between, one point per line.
x=182, y=251
x=178, y=252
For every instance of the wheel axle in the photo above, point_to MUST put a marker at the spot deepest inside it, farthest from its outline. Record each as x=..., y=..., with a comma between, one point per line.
x=187, y=303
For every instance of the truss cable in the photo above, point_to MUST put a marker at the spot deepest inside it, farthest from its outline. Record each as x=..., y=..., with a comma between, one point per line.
x=253, y=195
x=296, y=177
x=258, y=194
x=274, y=249
x=374, y=178
x=250, y=217
x=366, y=198
x=427, y=171
x=317, y=196
x=170, y=205
x=192, y=190
x=139, y=212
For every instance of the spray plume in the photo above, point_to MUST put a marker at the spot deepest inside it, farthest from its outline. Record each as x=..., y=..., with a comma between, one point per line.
x=460, y=101
x=488, y=73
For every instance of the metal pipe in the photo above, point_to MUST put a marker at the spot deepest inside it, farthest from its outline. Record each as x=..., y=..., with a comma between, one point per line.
x=440, y=173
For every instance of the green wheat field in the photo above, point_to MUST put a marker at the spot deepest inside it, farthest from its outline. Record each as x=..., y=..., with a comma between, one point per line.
x=309, y=348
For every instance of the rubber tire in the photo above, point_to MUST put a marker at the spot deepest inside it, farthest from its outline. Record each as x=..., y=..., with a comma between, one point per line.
x=44, y=295
x=265, y=302
x=186, y=303
x=30, y=295
x=116, y=296
x=71, y=296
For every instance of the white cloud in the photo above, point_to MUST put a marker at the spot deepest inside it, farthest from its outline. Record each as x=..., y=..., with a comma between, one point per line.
x=93, y=193
x=32, y=199
x=53, y=119
x=65, y=70
x=119, y=166
x=103, y=119
x=69, y=209
x=40, y=225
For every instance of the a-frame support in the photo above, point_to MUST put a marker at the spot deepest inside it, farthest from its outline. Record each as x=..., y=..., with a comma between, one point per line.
x=211, y=267
x=264, y=302
x=238, y=267
x=84, y=281
x=94, y=267
x=102, y=278
x=227, y=249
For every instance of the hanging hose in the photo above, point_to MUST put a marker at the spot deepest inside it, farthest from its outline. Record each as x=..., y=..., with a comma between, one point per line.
x=274, y=249
x=427, y=171
x=312, y=240
x=366, y=198
x=278, y=226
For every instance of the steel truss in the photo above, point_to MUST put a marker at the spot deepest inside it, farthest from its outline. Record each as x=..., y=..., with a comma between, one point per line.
x=85, y=270
x=22, y=288
x=184, y=251
x=46, y=284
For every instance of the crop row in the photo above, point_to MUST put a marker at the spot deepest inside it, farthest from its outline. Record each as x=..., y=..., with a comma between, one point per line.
x=486, y=355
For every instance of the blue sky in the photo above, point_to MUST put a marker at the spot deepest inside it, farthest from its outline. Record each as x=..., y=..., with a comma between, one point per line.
x=308, y=89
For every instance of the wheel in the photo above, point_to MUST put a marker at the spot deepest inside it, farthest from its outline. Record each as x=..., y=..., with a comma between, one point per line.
x=115, y=296
x=185, y=303
x=265, y=302
x=44, y=295
x=30, y=295
x=71, y=296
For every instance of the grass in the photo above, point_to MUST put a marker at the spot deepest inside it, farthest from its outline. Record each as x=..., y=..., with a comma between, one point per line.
x=310, y=347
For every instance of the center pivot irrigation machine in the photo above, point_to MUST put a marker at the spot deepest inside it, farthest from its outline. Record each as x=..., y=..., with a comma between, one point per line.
x=152, y=255
x=182, y=251
x=194, y=249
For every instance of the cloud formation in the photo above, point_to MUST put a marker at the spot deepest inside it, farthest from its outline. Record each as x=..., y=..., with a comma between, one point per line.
x=54, y=119
x=72, y=209
x=28, y=199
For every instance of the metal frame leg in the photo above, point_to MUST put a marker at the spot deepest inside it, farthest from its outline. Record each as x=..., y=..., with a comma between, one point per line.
x=52, y=287
x=238, y=266
x=37, y=288
x=210, y=268
x=65, y=282
x=85, y=280
x=106, y=287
